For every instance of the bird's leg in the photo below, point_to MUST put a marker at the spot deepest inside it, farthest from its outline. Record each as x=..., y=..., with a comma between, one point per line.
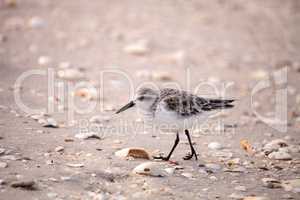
x=193, y=152
x=173, y=148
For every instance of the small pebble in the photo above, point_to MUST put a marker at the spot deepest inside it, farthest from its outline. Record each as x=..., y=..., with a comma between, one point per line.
x=11, y=3
x=29, y=185
x=87, y=93
x=50, y=123
x=240, y=188
x=187, y=175
x=3, y=165
x=36, y=22
x=65, y=178
x=138, y=48
x=2, y=182
x=44, y=60
x=215, y=146
x=75, y=165
x=236, y=196
x=49, y=162
x=170, y=170
x=70, y=74
x=59, y=149
x=2, y=151
x=52, y=195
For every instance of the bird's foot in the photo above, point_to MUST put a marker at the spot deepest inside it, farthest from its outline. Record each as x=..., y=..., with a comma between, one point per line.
x=160, y=157
x=189, y=156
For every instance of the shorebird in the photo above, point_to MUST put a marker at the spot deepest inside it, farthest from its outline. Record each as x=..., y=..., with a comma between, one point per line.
x=177, y=110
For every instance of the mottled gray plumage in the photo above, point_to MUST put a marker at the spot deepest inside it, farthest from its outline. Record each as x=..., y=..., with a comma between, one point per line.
x=184, y=103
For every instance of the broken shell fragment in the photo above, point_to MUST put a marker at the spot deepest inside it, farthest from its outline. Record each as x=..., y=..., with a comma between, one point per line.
x=274, y=145
x=255, y=198
x=280, y=155
x=133, y=152
x=246, y=146
x=59, y=149
x=89, y=135
x=138, y=48
x=271, y=183
x=75, y=165
x=150, y=169
x=50, y=123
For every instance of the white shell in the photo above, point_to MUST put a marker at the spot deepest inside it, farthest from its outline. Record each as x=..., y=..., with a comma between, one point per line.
x=150, y=169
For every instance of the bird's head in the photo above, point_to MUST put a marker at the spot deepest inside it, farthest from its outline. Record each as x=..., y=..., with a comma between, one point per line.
x=144, y=99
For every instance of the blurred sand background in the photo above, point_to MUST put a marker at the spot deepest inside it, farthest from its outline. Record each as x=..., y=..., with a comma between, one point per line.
x=237, y=42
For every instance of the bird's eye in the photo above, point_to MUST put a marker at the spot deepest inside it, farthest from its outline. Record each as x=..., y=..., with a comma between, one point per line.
x=141, y=98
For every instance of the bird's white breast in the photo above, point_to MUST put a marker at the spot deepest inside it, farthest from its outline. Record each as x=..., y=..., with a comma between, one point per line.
x=171, y=120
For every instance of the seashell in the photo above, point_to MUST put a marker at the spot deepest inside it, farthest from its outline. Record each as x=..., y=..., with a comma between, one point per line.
x=150, y=169
x=133, y=152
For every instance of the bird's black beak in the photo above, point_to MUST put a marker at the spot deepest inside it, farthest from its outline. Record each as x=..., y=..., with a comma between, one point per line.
x=127, y=106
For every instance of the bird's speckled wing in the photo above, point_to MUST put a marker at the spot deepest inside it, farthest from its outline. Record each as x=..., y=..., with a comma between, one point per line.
x=186, y=104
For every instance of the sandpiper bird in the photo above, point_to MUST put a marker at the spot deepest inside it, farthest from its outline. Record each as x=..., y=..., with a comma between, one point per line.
x=177, y=110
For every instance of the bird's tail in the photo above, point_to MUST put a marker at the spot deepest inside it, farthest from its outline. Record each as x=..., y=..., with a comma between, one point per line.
x=221, y=103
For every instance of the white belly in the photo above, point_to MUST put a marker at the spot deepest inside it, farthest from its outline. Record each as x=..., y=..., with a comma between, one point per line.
x=166, y=120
